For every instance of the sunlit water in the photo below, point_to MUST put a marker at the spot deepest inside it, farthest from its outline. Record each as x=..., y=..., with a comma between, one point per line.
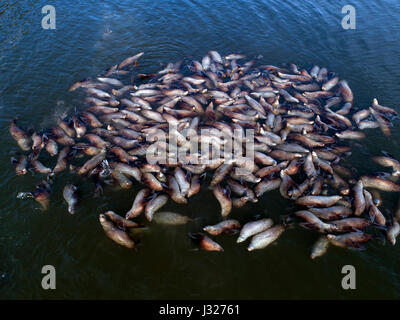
x=37, y=67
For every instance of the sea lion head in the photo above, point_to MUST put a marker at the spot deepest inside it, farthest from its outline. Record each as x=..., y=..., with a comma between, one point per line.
x=330, y=237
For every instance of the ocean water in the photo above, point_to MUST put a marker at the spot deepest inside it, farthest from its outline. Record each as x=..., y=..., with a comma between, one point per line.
x=37, y=67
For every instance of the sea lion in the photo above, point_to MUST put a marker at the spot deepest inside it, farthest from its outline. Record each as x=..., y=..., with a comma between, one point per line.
x=116, y=234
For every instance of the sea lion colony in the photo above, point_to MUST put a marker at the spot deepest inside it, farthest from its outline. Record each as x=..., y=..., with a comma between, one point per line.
x=302, y=122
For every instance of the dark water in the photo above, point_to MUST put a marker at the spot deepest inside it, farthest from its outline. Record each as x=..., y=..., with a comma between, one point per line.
x=37, y=67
